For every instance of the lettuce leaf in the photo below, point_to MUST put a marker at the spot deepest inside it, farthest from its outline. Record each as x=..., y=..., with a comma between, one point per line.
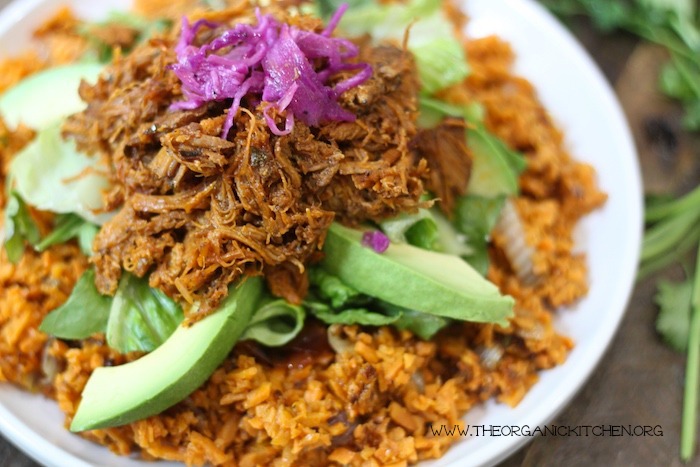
x=424, y=234
x=440, y=57
x=52, y=175
x=423, y=325
x=419, y=229
x=475, y=217
x=449, y=240
x=141, y=318
x=332, y=290
x=144, y=28
x=333, y=302
x=19, y=227
x=349, y=316
x=84, y=313
x=396, y=227
x=69, y=227
x=275, y=323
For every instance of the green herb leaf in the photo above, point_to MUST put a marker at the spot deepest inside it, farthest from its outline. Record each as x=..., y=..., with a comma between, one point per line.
x=673, y=322
x=691, y=118
x=666, y=234
x=140, y=317
x=692, y=371
x=275, y=323
x=605, y=14
x=675, y=253
x=84, y=313
x=673, y=83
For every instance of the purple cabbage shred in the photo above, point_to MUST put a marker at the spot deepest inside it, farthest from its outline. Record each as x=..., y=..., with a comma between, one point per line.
x=285, y=67
x=376, y=240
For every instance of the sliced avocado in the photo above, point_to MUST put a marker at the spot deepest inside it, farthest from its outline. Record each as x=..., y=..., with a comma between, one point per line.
x=496, y=167
x=48, y=96
x=122, y=394
x=414, y=278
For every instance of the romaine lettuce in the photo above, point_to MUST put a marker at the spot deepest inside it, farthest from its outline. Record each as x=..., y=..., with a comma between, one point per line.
x=440, y=57
x=52, y=175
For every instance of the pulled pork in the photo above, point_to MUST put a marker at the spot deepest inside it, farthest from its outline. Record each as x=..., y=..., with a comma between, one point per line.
x=197, y=212
x=450, y=162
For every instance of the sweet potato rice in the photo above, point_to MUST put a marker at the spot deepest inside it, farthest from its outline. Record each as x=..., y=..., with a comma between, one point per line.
x=304, y=404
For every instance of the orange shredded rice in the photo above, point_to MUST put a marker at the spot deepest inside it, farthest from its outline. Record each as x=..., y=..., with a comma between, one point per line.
x=370, y=405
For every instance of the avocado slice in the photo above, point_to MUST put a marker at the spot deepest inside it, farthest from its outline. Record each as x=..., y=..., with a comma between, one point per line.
x=122, y=394
x=413, y=278
x=48, y=96
x=496, y=168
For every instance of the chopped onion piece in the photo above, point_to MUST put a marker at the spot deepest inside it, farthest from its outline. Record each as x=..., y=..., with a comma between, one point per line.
x=516, y=249
x=337, y=343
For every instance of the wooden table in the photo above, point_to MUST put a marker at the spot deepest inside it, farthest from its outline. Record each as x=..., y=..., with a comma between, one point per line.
x=640, y=380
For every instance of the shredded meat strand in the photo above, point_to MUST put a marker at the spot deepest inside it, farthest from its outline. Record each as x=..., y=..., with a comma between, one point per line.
x=449, y=160
x=196, y=212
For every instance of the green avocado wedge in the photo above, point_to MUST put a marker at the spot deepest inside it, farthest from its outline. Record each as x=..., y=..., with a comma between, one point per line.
x=48, y=96
x=122, y=394
x=413, y=278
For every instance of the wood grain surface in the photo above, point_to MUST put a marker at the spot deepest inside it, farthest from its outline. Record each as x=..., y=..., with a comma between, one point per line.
x=640, y=380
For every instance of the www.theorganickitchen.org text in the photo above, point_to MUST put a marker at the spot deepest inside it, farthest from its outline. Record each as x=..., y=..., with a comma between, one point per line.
x=546, y=430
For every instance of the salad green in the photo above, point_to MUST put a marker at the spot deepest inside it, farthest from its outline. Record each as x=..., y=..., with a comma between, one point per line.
x=19, y=227
x=51, y=175
x=85, y=313
x=440, y=57
x=26, y=102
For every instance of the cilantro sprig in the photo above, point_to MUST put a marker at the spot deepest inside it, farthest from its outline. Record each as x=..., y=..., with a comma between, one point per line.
x=672, y=24
x=692, y=374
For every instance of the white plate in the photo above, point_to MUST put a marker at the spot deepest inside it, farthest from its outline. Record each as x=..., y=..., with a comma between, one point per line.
x=581, y=102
